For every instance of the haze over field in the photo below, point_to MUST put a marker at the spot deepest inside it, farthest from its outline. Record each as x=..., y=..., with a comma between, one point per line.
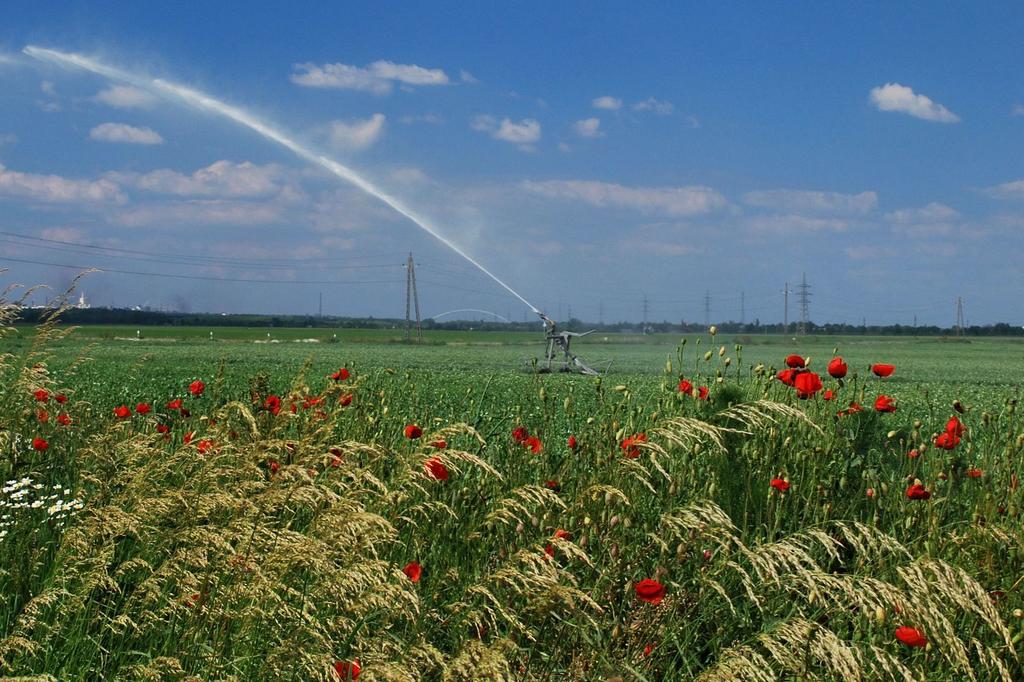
x=586, y=160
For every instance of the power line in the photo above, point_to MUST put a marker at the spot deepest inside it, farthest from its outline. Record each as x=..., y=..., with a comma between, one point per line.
x=219, y=260
x=83, y=268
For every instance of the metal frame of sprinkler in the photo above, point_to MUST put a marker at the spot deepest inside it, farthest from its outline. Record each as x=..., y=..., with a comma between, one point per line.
x=561, y=340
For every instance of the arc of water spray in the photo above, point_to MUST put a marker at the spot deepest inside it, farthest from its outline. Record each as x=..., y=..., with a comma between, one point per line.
x=472, y=310
x=202, y=101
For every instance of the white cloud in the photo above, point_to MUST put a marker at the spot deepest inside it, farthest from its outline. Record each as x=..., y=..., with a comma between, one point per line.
x=607, y=102
x=126, y=97
x=932, y=213
x=655, y=105
x=432, y=119
x=801, y=201
x=932, y=220
x=378, y=78
x=588, y=127
x=467, y=77
x=48, y=87
x=220, y=179
x=200, y=212
x=7, y=138
x=676, y=201
x=1007, y=190
x=356, y=134
x=864, y=252
x=896, y=97
x=792, y=223
x=1017, y=110
x=7, y=59
x=563, y=147
x=54, y=188
x=122, y=132
x=524, y=133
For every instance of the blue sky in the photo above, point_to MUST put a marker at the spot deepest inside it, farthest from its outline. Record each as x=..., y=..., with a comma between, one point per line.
x=589, y=158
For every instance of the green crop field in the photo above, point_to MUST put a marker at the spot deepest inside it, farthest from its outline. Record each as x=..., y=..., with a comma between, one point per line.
x=442, y=511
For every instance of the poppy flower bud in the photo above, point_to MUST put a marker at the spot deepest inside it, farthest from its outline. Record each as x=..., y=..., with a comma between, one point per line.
x=958, y=406
x=721, y=351
x=707, y=356
x=1017, y=613
x=879, y=615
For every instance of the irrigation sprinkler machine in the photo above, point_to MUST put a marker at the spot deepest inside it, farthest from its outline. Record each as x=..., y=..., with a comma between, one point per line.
x=560, y=341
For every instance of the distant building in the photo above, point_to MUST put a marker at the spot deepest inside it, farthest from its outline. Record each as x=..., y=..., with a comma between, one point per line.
x=82, y=304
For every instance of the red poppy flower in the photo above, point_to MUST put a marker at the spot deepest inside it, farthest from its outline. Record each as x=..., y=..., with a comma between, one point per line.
x=273, y=465
x=883, y=371
x=122, y=412
x=974, y=473
x=346, y=670
x=854, y=408
x=188, y=437
x=913, y=454
x=196, y=388
x=788, y=376
x=520, y=434
x=702, y=392
x=685, y=387
x=42, y=395
x=572, y=443
x=780, y=484
x=884, y=403
x=911, y=637
x=630, y=446
x=162, y=428
x=955, y=427
x=837, y=369
x=440, y=445
x=174, y=404
x=341, y=375
x=534, y=444
x=829, y=394
x=39, y=444
x=648, y=650
x=413, y=570
x=436, y=469
x=650, y=591
x=807, y=384
x=143, y=408
x=60, y=398
x=946, y=441
x=795, y=361
x=63, y=420
x=918, y=492
x=273, y=404
x=42, y=416
x=563, y=534
x=345, y=400
x=204, y=446
x=412, y=431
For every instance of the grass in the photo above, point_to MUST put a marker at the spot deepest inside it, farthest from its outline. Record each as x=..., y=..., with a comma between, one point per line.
x=272, y=546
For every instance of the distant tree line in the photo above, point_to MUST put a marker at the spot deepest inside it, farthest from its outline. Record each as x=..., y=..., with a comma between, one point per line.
x=124, y=316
